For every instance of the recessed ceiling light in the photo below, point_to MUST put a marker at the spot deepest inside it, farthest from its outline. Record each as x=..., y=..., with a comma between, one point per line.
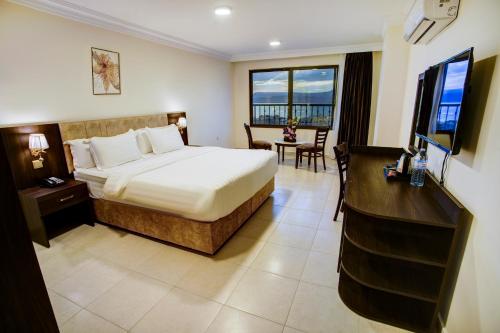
x=275, y=43
x=222, y=11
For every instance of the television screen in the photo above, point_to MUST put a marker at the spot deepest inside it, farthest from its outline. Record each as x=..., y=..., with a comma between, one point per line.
x=439, y=120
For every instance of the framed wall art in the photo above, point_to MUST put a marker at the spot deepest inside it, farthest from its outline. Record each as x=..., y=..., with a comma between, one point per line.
x=105, y=72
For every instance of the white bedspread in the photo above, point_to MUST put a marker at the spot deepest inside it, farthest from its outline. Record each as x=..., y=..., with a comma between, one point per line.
x=201, y=183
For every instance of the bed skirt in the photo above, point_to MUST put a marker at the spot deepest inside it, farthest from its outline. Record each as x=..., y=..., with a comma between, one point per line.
x=206, y=237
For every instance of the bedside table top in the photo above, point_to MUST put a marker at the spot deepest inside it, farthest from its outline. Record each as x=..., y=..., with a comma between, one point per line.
x=38, y=191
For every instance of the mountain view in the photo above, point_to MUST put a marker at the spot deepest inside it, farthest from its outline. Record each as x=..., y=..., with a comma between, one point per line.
x=298, y=97
x=312, y=96
x=451, y=98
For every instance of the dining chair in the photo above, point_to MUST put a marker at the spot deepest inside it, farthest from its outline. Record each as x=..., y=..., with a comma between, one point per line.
x=342, y=157
x=314, y=150
x=256, y=144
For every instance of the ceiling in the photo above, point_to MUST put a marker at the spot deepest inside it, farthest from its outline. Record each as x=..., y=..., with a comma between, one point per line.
x=304, y=27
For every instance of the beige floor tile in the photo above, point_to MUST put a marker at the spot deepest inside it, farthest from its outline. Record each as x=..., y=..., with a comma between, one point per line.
x=291, y=330
x=169, y=264
x=268, y=211
x=85, y=322
x=232, y=320
x=319, y=309
x=38, y=248
x=321, y=268
x=90, y=281
x=131, y=250
x=179, y=311
x=264, y=294
x=282, y=196
x=212, y=279
x=108, y=239
x=257, y=228
x=129, y=300
x=309, y=202
x=59, y=262
x=63, y=308
x=282, y=260
x=239, y=250
x=327, y=241
x=327, y=222
x=304, y=218
x=89, y=238
x=88, y=265
x=370, y=326
x=292, y=235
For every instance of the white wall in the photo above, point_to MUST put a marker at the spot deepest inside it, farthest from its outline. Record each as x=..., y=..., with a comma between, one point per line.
x=45, y=75
x=474, y=175
x=241, y=97
x=391, y=87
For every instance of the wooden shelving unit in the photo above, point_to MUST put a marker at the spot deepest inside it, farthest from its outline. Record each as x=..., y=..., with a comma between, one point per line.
x=401, y=246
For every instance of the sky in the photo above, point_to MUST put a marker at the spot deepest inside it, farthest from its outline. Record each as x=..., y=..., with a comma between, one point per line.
x=312, y=81
x=455, y=79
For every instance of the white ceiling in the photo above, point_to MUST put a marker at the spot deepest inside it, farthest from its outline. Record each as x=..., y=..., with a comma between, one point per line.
x=303, y=26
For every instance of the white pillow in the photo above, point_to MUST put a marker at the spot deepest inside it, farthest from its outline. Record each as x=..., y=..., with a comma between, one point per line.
x=143, y=141
x=165, y=139
x=80, y=150
x=114, y=150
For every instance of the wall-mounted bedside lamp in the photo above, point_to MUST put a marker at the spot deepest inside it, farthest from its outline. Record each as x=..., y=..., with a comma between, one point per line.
x=182, y=124
x=37, y=144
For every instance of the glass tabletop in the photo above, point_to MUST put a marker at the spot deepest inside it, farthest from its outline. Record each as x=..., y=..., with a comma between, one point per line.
x=286, y=143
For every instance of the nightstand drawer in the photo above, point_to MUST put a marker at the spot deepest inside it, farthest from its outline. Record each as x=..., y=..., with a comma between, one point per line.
x=62, y=199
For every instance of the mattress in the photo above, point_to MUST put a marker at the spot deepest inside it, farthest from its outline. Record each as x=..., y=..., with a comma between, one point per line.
x=200, y=183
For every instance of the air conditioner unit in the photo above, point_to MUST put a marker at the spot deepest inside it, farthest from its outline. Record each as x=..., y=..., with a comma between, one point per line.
x=427, y=18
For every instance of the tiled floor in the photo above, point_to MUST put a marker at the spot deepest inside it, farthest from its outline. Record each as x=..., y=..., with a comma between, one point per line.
x=277, y=274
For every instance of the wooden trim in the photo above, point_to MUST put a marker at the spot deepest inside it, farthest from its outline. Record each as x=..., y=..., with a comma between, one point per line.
x=202, y=236
x=290, y=92
x=25, y=305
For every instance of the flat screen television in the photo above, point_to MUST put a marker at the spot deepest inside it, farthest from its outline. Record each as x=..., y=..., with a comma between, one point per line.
x=443, y=102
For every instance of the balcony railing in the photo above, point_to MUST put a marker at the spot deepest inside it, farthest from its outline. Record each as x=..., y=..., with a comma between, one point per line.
x=447, y=116
x=277, y=114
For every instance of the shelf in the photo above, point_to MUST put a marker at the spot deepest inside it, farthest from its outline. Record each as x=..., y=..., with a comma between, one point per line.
x=412, y=242
x=404, y=312
x=392, y=275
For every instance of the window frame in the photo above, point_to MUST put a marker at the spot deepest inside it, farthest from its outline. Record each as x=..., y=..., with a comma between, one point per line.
x=290, y=71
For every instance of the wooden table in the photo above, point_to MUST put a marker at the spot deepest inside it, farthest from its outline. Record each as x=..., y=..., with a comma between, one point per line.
x=281, y=144
x=401, y=246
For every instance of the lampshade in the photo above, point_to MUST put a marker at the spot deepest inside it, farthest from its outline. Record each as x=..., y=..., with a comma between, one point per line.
x=38, y=141
x=182, y=122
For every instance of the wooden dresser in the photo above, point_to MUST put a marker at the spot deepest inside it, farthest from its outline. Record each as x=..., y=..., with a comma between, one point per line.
x=401, y=246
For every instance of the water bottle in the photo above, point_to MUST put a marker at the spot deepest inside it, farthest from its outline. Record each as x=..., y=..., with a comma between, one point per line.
x=418, y=173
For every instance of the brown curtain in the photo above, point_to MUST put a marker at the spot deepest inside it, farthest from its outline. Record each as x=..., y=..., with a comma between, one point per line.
x=356, y=99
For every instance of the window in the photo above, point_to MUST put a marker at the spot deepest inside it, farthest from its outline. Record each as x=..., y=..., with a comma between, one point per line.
x=306, y=94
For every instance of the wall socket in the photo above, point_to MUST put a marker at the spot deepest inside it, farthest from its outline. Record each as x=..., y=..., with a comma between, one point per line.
x=37, y=164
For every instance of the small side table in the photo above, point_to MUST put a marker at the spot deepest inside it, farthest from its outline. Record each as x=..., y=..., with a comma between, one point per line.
x=41, y=205
x=281, y=144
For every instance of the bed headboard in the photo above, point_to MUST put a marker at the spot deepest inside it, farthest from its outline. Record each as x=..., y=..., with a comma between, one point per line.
x=105, y=127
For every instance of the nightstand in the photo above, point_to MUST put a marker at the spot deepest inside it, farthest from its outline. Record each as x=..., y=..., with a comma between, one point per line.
x=45, y=208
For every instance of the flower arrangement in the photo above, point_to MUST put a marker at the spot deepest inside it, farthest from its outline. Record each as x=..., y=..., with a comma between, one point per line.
x=289, y=134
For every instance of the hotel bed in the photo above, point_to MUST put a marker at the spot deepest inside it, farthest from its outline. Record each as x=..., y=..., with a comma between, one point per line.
x=209, y=182
x=196, y=197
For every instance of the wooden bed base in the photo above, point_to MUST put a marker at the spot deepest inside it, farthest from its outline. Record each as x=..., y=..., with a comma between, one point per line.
x=206, y=237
